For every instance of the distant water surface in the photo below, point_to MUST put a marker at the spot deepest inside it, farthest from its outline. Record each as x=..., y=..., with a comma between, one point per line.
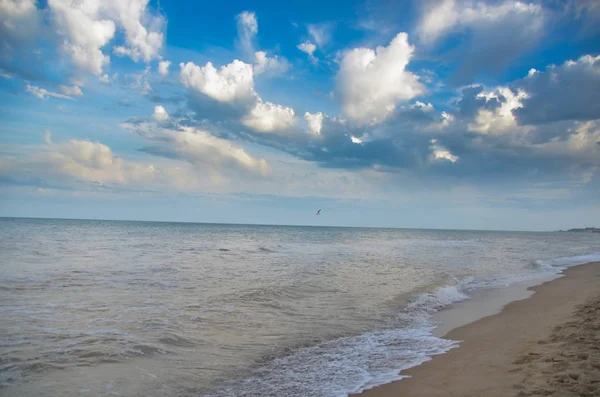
x=106, y=308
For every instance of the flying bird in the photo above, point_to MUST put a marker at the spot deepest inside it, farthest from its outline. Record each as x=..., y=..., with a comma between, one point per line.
x=319, y=212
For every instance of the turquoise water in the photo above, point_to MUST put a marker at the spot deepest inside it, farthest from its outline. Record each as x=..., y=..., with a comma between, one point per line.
x=174, y=309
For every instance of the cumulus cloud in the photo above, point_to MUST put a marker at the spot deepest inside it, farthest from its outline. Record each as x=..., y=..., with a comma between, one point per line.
x=200, y=148
x=19, y=22
x=79, y=161
x=496, y=33
x=42, y=93
x=308, y=48
x=142, y=29
x=371, y=82
x=272, y=66
x=476, y=136
x=269, y=117
x=232, y=87
x=581, y=142
x=70, y=91
x=356, y=140
x=160, y=114
x=208, y=161
x=473, y=99
x=497, y=119
x=163, y=67
x=247, y=27
x=230, y=83
x=88, y=26
x=84, y=32
x=439, y=153
x=314, y=121
x=570, y=91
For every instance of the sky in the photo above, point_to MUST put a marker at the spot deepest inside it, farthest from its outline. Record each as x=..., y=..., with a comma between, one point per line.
x=445, y=114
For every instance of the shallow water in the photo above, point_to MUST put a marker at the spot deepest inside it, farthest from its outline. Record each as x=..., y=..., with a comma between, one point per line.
x=171, y=309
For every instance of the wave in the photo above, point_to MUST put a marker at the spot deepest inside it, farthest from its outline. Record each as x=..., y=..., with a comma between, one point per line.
x=567, y=261
x=343, y=366
x=442, y=297
x=347, y=365
x=452, y=242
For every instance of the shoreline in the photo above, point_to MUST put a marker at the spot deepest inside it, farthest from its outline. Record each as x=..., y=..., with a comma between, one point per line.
x=483, y=303
x=487, y=360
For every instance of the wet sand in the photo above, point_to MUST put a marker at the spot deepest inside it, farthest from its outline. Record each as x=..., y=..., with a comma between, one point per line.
x=544, y=345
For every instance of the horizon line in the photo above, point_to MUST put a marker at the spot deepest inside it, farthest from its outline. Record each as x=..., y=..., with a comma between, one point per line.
x=273, y=224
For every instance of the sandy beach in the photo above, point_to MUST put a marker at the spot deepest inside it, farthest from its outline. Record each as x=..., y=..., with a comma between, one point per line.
x=544, y=345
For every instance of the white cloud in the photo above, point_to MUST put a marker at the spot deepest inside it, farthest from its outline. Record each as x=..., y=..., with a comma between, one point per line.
x=233, y=84
x=89, y=25
x=496, y=32
x=447, y=119
x=581, y=143
x=105, y=79
x=95, y=161
x=272, y=66
x=160, y=114
x=42, y=93
x=424, y=107
x=81, y=161
x=500, y=119
x=449, y=15
x=438, y=20
x=208, y=161
x=356, y=140
x=140, y=82
x=201, y=149
x=19, y=21
x=142, y=29
x=439, y=152
x=84, y=32
x=163, y=67
x=314, y=121
x=6, y=75
x=308, y=48
x=230, y=83
x=247, y=28
x=70, y=91
x=371, y=82
x=269, y=117
x=321, y=33
x=532, y=72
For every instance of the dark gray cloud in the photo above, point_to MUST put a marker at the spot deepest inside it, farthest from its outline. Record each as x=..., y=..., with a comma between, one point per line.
x=570, y=91
x=472, y=101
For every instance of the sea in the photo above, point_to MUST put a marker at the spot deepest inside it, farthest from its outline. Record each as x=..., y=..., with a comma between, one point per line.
x=118, y=308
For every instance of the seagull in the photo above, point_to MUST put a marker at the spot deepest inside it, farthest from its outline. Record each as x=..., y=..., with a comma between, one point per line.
x=319, y=212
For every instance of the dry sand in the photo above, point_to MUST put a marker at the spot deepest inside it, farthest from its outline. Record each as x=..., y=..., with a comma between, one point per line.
x=545, y=345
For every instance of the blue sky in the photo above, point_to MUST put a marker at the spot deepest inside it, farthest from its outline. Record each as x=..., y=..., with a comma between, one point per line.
x=434, y=114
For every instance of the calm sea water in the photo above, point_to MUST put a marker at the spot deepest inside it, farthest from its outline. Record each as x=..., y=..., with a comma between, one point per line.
x=170, y=309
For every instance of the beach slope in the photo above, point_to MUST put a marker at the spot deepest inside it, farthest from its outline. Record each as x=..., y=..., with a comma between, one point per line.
x=545, y=345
